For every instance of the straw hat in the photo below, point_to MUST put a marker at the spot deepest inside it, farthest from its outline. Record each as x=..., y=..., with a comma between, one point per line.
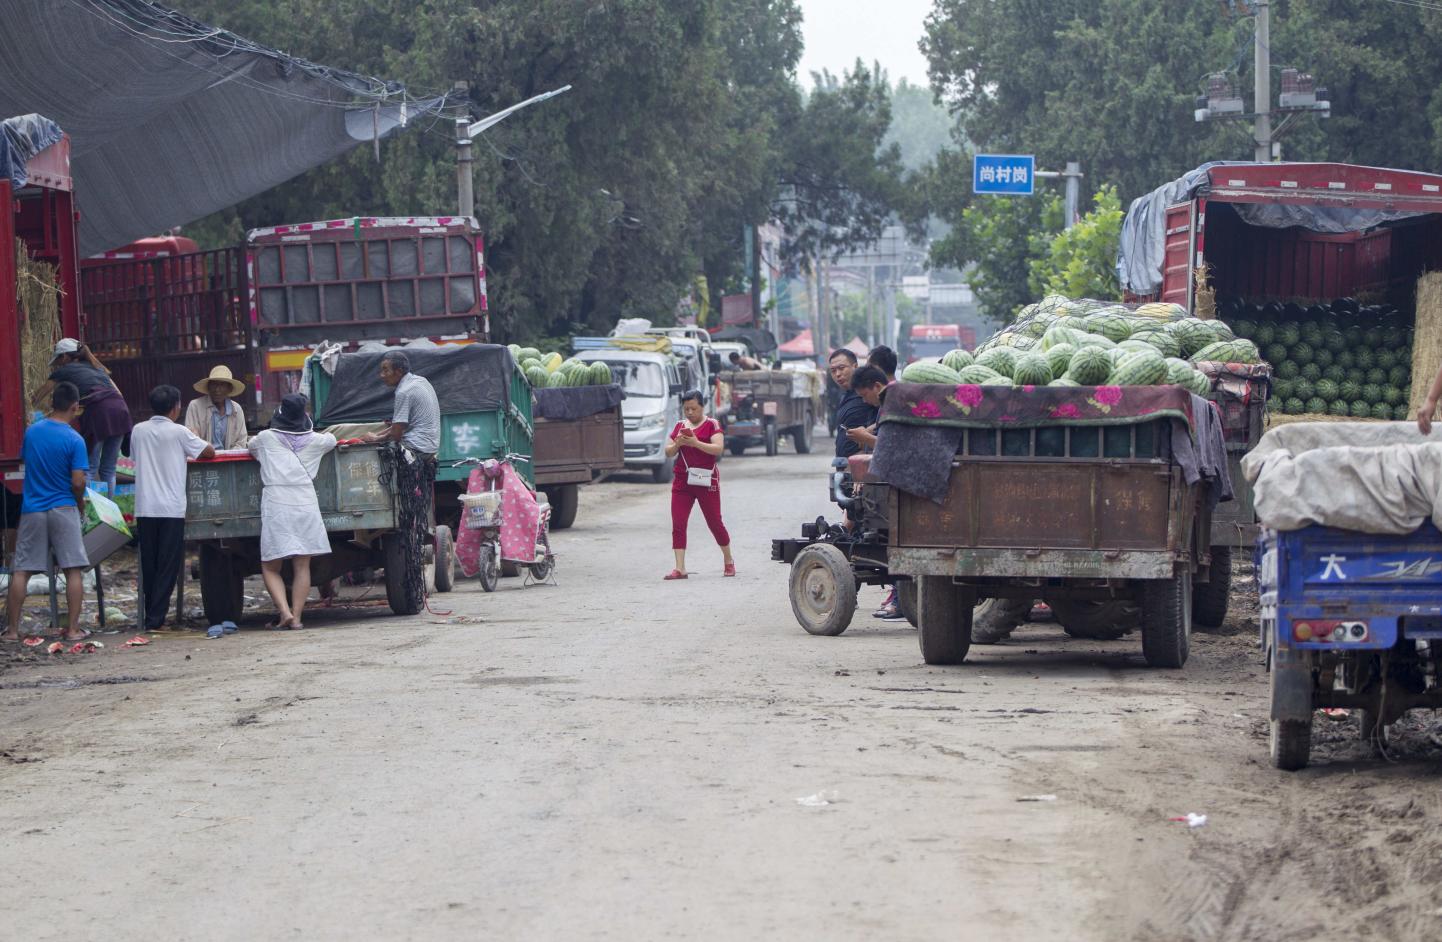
x=221, y=374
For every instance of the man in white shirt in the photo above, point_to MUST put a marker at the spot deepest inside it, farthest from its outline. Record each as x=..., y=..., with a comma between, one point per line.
x=161, y=447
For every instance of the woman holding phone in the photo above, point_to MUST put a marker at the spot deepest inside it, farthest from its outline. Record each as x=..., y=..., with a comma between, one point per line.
x=696, y=442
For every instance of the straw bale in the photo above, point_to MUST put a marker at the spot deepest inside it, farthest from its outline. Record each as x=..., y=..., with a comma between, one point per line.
x=1205, y=301
x=1278, y=418
x=38, y=293
x=1427, y=341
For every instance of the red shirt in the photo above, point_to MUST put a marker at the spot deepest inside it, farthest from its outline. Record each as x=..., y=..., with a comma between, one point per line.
x=689, y=457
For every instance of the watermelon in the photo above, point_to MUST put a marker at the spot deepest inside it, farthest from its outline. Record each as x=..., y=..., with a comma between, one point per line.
x=1382, y=411
x=556, y=380
x=1384, y=359
x=515, y=351
x=1089, y=366
x=1304, y=389
x=1032, y=369
x=1316, y=406
x=1192, y=334
x=1063, y=381
x=929, y=371
x=1399, y=376
x=528, y=353
x=1361, y=409
x=1289, y=335
x=1227, y=351
x=601, y=374
x=1323, y=358
x=1346, y=360
x=1335, y=373
x=999, y=360
x=1377, y=376
x=1275, y=353
x=1394, y=395
x=1350, y=389
x=1281, y=389
x=1362, y=359
x=1399, y=414
x=1371, y=393
x=1294, y=406
x=1059, y=334
x=978, y=375
x=957, y=360
x=1288, y=370
x=1059, y=358
x=1094, y=340
x=1302, y=353
x=1161, y=340
x=1328, y=390
x=1139, y=369
x=1311, y=372
x=1338, y=407
x=551, y=361
x=537, y=377
x=1220, y=330
x=1115, y=327
x=1262, y=335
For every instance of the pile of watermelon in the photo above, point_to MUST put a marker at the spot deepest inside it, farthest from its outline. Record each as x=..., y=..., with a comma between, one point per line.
x=1341, y=358
x=543, y=370
x=1065, y=342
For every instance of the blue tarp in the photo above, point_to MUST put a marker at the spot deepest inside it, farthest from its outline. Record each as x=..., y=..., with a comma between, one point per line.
x=21, y=138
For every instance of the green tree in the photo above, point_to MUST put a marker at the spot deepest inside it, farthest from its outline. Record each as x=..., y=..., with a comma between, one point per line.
x=1080, y=262
x=920, y=127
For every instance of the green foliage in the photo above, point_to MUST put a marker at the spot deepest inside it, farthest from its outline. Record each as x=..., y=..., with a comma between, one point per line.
x=1081, y=261
x=997, y=238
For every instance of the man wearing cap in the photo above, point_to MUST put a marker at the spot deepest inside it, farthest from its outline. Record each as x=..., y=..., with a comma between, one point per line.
x=105, y=419
x=216, y=417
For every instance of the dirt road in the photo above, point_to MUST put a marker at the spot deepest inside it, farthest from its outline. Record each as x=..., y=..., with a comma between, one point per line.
x=614, y=757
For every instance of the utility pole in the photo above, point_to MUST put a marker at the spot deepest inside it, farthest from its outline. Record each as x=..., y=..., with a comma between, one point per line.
x=466, y=130
x=1262, y=87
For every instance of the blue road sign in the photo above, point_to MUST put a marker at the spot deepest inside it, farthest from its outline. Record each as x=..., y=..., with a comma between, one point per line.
x=1007, y=174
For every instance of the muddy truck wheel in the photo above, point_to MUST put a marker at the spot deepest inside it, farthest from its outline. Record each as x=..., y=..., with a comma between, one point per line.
x=1096, y=621
x=823, y=590
x=564, y=500
x=1166, y=614
x=943, y=619
x=1290, y=744
x=1209, y=599
x=444, y=559
x=772, y=439
x=994, y=620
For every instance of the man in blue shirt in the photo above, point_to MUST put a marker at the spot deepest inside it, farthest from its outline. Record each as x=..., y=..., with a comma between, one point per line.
x=852, y=412
x=55, y=465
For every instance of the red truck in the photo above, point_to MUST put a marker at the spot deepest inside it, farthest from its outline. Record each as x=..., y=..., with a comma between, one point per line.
x=41, y=215
x=1286, y=235
x=935, y=340
x=159, y=311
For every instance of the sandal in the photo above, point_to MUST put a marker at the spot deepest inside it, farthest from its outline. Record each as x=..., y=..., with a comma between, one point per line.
x=730, y=570
x=674, y=574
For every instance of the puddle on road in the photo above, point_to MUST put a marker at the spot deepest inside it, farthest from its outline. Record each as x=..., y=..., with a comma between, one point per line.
x=70, y=683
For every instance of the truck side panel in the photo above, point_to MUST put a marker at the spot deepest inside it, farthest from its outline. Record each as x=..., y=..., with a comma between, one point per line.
x=568, y=452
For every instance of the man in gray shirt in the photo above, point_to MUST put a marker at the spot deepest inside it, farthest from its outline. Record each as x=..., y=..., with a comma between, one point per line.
x=416, y=417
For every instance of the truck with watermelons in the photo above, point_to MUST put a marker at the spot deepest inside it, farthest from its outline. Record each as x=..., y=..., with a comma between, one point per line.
x=1072, y=458
x=1317, y=264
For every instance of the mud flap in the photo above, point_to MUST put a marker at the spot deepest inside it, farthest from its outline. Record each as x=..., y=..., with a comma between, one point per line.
x=1291, y=684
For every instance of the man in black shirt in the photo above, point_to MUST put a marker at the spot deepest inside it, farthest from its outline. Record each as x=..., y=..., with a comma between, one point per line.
x=852, y=412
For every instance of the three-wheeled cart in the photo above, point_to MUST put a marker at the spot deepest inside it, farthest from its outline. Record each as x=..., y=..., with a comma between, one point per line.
x=767, y=405
x=356, y=488
x=1089, y=509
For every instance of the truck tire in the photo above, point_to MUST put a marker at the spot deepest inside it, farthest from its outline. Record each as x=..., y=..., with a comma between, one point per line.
x=823, y=590
x=772, y=442
x=943, y=619
x=1290, y=744
x=661, y=474
x=801, y=438
x=906, y=600
x=994, y=620
x=1166, y=615
x=1209, y=599
x=444, y=564
x=736, y=446
x=1290, y=738
x=1096, y=621
x=404, y=594
x=222, y=592
x=564, y=499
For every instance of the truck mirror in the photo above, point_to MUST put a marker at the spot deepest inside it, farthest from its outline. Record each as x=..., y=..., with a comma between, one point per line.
x=676, y=389
x=714, y=360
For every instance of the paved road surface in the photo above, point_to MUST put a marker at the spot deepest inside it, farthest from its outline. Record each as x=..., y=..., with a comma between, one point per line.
x=614, y=757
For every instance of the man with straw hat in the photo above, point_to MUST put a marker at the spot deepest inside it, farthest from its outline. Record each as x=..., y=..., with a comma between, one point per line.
x=216, y=417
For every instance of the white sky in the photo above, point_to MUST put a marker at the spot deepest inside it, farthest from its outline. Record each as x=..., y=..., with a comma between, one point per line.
x=838, y=31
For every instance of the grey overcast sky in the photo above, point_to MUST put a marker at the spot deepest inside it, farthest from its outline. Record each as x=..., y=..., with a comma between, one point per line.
x=838, y=31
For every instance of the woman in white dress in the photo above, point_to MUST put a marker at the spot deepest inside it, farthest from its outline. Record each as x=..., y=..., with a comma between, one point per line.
x=291, y=527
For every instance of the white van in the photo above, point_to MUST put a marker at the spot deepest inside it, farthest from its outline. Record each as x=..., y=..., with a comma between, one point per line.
x=652, y=406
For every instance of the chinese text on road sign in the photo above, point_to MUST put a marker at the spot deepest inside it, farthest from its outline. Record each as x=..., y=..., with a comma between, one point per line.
x=1011, y=174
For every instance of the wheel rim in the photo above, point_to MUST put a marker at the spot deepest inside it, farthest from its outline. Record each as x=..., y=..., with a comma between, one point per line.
x=817, y=597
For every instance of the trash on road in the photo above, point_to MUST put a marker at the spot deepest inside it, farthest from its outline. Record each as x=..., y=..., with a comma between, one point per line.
x=85, y=647
x=1192, y=819
x=1037, y=798
x=137, y=641
x=32, y=641
x=820, y=800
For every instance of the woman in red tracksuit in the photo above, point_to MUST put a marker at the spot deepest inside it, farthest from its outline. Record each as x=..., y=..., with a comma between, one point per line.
x=696, y=443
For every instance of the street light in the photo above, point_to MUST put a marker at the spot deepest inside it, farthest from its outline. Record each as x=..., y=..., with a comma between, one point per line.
x=466, y=130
